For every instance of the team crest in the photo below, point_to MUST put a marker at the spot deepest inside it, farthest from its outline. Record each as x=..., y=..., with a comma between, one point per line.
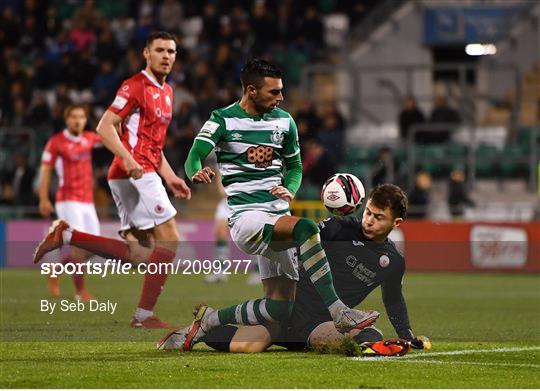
x=384, y=261
x=168, y=100
x=159, y=209
x=278, y=136
x=351, y=260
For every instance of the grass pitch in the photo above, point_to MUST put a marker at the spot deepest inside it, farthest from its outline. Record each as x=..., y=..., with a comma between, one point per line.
x=485, y=330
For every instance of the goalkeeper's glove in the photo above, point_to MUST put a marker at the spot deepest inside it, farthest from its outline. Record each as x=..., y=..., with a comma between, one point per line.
x=420, y=342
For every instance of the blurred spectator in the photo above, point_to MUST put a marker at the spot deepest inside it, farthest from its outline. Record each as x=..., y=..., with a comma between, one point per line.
x=105, y=84
x=170, y=16
x=90, y=16
x=211, y=23
x=143, y=30
x=18, y=184
x=84, y=71
x=10, y=27
x=332, y=132
x=44, y=75
x=53, y=23
x=223, y=66
x=181, y=134
x=383, y=169
x=263, y=27
x=19, y=116
x=419, y=196
x=458, y=197
x=441, y=114
x=58, y=46
x=39, y=112
x=31, y=39
x=132, y=62
x=307, y=121
x=106, y=47
x=81, y=35
x=410, y=115
x=310, y=28
x=317, y=164
x=123, y=29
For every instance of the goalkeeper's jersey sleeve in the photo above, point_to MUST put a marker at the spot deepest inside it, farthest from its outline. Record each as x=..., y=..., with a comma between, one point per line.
x=250, y=152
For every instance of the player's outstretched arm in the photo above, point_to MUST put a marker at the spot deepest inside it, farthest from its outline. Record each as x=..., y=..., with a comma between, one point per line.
x=45, y=205
x=177, y=185
x=396, y=308
x=107, y=130
x=193, y=165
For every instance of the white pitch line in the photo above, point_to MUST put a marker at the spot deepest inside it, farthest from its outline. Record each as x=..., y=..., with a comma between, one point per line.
x=450, y=353
x=472, y=351
x=406, y=360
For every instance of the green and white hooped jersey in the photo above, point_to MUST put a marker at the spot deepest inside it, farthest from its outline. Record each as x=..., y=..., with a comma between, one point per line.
x=250, y=152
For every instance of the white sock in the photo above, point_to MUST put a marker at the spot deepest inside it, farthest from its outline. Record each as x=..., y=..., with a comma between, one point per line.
x=66, y=235
x=211, y=321
x=336, y=307
x=142, y=314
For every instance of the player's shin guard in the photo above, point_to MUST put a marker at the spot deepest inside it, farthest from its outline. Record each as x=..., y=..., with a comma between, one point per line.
x=100, y=245
x=153, y=282
x=258, y=311
x=313, y=259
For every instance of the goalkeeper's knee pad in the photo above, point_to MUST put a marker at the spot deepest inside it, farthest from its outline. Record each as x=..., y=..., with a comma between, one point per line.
x=279, y=310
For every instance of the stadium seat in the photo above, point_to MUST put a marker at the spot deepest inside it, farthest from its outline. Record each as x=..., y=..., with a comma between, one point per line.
x=486, y=159
x=361, y=154
x=457, y=152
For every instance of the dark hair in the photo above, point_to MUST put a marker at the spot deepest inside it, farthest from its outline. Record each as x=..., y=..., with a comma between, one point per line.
x=71, y=107
x=256, y=70
x=160, y=35
x=390, y=196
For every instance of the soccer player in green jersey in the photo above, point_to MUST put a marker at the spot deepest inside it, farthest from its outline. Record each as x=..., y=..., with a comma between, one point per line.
x=258, y=154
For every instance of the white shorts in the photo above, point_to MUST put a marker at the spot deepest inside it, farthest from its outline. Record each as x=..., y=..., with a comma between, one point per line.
x=141, y=203
x=252, y=231
x=79, y=215
x=223, y=211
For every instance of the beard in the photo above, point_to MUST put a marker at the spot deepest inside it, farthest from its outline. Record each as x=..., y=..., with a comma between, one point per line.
x=260, y=108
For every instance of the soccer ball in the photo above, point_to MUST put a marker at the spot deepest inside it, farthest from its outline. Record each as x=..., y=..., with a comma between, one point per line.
x=343, y=194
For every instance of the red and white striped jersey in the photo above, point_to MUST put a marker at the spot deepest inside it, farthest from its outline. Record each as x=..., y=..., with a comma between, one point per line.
x=71, y=157
x=146, y=109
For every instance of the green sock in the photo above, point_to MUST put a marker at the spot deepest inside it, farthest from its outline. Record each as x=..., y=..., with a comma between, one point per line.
x=257, y=311
x=314, y=261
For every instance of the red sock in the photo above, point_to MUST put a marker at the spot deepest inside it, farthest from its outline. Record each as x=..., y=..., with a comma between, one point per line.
x=100, y=245
x=153, y=283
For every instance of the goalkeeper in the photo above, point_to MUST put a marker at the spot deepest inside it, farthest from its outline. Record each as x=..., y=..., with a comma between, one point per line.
x=361, y=257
